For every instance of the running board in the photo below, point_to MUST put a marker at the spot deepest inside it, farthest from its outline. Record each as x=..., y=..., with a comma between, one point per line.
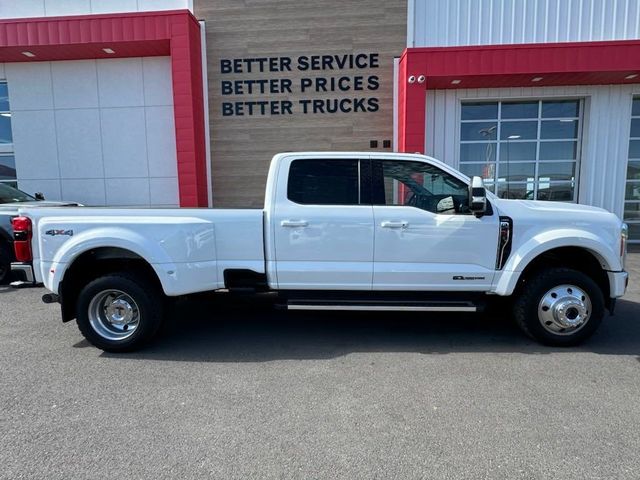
x=371, y=306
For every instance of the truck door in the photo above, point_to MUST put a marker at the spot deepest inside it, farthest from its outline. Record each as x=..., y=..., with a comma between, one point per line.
x=425, y=239
x=322, y=225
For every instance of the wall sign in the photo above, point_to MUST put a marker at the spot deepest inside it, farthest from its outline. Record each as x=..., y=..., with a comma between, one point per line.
x=343, y=86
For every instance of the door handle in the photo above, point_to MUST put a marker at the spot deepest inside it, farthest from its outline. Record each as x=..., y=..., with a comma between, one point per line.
x=388, y=224
x=294, y=223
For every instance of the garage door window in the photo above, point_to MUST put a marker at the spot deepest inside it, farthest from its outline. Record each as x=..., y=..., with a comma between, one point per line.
x=632, y=187
x=7, y=160
x=523, y=149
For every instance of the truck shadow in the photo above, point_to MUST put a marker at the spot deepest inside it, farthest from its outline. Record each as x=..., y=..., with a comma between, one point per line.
x=204, y=330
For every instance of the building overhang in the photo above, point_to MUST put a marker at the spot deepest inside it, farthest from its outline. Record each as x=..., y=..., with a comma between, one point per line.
x=174, y=33
x=495, y=66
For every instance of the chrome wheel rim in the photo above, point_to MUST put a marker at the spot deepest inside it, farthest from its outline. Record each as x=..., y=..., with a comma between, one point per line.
x=564, y=309
x=114, y=315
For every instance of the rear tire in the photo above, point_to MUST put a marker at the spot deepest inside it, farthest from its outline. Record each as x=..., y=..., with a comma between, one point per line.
x=559, y=307
x=5, y=263
x=119, y=312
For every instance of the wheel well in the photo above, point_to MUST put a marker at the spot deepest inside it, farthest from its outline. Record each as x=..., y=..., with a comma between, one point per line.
x=96, y=263
x=576, y=258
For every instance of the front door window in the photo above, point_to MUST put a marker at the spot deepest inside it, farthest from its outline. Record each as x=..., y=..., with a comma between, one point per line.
x=419, y=185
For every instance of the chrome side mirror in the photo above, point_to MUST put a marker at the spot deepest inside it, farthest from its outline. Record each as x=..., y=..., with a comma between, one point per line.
x=477, y=197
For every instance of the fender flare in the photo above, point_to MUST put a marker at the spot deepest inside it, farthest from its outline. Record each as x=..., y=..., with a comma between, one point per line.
x=550, y=240
x=108, y=237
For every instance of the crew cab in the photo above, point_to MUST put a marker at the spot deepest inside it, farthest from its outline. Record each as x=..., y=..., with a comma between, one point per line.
x=339, y=231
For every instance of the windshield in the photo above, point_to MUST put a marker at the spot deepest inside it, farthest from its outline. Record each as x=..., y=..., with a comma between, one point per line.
x=9, y=194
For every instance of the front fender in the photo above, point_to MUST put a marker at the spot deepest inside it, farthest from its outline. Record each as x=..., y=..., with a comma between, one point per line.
x=545, y=241
x=53, y=271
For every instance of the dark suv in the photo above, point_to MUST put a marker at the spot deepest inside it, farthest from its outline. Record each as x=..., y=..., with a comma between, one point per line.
x=10, y=200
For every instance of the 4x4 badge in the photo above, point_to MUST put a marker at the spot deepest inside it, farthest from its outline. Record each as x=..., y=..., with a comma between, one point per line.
x=54, y=233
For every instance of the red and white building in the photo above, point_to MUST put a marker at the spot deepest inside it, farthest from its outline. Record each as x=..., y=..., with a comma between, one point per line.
x=538, y=97
x=92, y=85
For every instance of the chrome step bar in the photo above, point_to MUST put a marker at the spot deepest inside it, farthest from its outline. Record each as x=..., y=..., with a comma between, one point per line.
x=384, y=306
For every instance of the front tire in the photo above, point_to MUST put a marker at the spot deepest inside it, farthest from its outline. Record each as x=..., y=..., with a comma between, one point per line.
x=559, y=307
x=119, y=312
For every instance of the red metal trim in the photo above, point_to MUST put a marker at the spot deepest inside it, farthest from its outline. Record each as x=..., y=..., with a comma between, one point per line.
x=188, y=101
x=522, y=46
x=175, y=33
x=492, y=66
x=412, y=107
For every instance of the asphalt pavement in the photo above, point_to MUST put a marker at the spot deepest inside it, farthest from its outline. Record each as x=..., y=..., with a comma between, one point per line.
x=237, y=390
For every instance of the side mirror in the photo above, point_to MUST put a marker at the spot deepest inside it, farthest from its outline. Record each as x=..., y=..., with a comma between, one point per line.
x=477, y=197
x=39, y=196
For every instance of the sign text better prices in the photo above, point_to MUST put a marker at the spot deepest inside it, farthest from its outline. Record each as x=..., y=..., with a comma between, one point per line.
x=348, y=92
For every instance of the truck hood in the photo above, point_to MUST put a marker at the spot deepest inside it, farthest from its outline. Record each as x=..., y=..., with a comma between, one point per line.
x=539, y=212
x=546, y=207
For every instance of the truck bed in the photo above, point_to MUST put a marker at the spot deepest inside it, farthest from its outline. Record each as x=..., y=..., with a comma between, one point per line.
x=188, y=248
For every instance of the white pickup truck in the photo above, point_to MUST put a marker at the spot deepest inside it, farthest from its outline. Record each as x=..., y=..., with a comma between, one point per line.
x=339, y=231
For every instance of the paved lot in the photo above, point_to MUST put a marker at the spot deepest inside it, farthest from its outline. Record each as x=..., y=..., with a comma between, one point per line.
x=242, y=392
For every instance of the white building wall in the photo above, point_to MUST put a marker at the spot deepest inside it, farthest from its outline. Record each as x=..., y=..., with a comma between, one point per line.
x=483, y=22
x=55, y=8
x=100, y=132
x=605, y=136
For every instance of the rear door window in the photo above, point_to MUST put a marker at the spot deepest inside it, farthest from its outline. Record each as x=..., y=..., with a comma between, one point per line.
x=324, y=182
